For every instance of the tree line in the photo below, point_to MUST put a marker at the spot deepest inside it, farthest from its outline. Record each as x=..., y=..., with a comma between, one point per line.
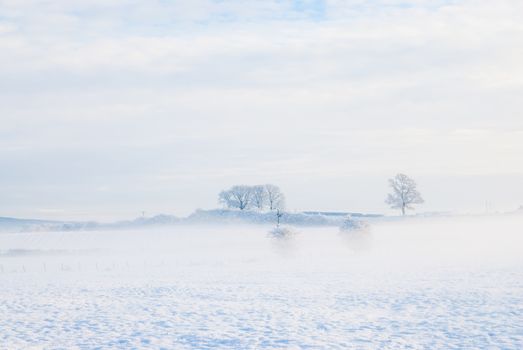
x=260, y=197
x=404, y=196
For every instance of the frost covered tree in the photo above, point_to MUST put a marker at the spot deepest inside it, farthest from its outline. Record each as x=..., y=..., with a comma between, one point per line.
x=404, y=193
x=275, y=197
x=239, y=197
x=259, y=197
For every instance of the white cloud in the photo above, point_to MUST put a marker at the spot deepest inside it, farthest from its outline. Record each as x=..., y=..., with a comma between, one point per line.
x=268, y=90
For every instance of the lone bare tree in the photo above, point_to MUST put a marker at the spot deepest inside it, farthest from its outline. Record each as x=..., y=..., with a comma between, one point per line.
x=236, y=197
x=275, y=197
x=404, y=193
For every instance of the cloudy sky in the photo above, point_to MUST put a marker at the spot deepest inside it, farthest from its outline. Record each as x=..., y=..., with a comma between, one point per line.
x=111, y=107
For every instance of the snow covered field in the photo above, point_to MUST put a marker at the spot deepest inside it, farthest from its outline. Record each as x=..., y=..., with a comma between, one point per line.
x=425, y=284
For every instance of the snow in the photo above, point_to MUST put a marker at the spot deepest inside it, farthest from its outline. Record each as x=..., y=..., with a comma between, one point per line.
x=428, y=284
x=221, y=216
x=199, y=217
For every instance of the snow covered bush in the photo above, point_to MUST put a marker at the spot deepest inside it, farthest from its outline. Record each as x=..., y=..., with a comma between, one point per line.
x=351, y=225
x=282, y=232
x=356, y=233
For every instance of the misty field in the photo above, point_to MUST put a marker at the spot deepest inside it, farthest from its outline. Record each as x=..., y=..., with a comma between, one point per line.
x=419, y=284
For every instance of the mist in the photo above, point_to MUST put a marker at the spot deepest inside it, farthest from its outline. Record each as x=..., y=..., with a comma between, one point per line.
x=232, y=286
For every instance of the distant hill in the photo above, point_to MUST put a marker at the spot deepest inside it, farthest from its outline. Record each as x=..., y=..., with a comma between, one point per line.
x=317, y=218
x=10, y=224
x=214, y=216
x=341, y=213
x=27, y=225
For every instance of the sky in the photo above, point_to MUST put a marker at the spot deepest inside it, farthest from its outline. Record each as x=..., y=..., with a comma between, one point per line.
x=114, y=107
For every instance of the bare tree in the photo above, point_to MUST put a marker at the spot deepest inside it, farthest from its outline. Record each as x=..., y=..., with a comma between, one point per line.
x=259, y=197
x=236, y=197
x=275, y=197
x=404, y=193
